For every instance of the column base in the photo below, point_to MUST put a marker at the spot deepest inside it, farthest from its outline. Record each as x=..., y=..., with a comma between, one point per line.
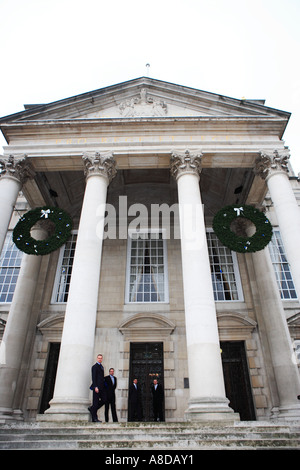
x=286, y=413
x=7, y=415
x=210, y=409
x=66, y=410
x=63, y=417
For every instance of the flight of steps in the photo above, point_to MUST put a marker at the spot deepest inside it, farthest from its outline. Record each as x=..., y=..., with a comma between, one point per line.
x=149, y=436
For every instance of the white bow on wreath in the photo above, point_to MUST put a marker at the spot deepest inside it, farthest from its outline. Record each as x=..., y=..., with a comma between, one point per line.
x=238, y=210
x=45, y=213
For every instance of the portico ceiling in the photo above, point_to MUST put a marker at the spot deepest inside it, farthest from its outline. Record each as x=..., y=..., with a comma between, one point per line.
x=219, y=186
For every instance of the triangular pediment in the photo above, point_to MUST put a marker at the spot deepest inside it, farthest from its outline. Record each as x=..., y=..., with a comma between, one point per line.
x=144, y=98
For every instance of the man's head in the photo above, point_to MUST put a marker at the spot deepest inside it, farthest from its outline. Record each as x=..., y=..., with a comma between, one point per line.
x=99, y=358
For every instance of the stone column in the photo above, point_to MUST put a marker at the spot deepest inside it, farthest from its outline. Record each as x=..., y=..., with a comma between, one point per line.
x=278, y=336
x=71, y=393
x=273, y=168
x=16, y=333
x=207, y=390
x=13, y=173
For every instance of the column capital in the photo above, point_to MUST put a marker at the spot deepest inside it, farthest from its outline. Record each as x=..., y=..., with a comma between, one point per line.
x=186, y=162
x=18, y=168
x=269, y=163
x=100, y=165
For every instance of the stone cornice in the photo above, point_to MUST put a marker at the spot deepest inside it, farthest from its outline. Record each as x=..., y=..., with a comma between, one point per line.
x=146, y=325
x=127, y=120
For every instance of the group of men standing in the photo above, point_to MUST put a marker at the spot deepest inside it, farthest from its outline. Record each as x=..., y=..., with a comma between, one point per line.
x=103, y=391
x=104, y=387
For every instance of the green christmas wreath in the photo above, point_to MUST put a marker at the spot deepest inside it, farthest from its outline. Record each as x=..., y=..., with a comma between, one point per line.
x=222, y=228
x=62, y=230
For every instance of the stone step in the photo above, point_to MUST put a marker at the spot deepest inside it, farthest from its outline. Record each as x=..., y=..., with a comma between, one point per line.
x=191, y=444
x=136, y=437
x=148, y=436
x=53, y=426
x=151, y=435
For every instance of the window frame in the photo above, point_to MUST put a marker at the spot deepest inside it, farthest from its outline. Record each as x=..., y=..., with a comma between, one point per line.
x=9, y=240
x=128, y=266
x=56, y=283
x=236, y=272
x=286, y=263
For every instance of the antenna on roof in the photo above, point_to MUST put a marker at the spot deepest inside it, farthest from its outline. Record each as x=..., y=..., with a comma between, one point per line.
x=147, y=68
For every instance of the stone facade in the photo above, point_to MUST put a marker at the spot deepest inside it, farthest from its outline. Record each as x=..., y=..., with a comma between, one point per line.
x=148, y=142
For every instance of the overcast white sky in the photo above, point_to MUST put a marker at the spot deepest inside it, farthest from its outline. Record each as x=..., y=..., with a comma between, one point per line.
x=54, y=49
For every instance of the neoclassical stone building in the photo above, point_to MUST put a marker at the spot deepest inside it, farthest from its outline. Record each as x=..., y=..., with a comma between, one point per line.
x=142, y=168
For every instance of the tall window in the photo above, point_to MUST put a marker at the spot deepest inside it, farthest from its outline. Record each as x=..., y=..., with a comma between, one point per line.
x=224, y=270
x=64, y=271
x=10, y=263
x=147, y=268
x=281, y=267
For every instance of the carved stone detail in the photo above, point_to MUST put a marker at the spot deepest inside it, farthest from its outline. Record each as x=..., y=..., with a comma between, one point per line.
x=185, y=163
x=267, y=163
x=103, y=165
x=18, y=168
x=144, y=105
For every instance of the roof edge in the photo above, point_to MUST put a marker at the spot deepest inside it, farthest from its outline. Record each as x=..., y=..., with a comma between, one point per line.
x=39, y=108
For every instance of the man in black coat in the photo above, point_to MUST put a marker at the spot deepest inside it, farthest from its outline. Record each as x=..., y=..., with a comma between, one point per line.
x=111, y=385
x=135, y=402
x=158, y=398
x=98, y=387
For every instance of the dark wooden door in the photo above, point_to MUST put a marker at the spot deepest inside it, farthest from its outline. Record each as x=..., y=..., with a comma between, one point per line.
x=146, y=364
x=50, y=376
x=237, y=380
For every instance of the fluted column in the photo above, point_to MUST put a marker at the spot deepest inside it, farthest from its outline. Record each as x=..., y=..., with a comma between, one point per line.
x=279, y=340
x=206, y=382
x=16, y=333
x=273, y=168
x=71, y=393
x=13, y=174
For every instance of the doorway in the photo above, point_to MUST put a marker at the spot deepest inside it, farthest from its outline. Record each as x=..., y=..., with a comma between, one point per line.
x=146, y=364
x=237, y=380
x=50, y=375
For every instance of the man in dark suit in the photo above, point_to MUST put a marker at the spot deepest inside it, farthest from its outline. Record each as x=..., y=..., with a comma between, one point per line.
x=111, y=385
x=135, y=402
x=98, y=387
x=158, y=398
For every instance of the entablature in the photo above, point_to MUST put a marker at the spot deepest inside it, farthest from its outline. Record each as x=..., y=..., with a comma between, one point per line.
x=115, y=127
x=145, y=156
